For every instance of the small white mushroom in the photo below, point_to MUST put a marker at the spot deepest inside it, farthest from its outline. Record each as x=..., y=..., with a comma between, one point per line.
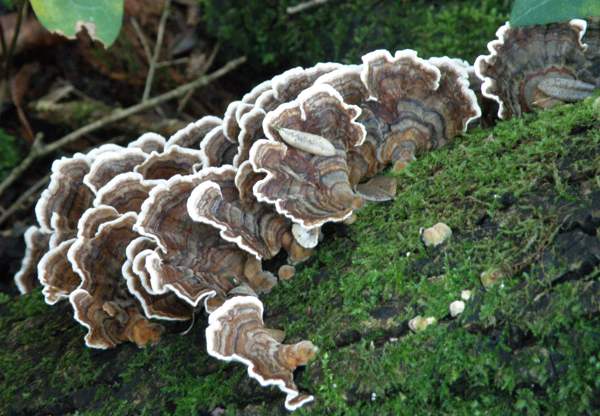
x=307, y=142
x=436, y=235
x=419, y=323
x=465, y=295
x=307, y=238
x=456, y=308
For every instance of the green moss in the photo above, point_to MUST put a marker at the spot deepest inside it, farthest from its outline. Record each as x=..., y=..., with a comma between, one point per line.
x=344, y=31
x=9, y=153
x=528, y=345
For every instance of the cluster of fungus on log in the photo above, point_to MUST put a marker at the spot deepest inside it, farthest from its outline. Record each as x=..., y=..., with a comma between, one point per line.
x=154, y=230
x=537, y=67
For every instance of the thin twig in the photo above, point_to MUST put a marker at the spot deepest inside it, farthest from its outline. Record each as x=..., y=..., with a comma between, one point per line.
x=157, y=46
x=206, y=67
x=304, y=6
x=142, y=37
x=25, y=199
x=38, y=150
x=173, y=62
x=31, y=195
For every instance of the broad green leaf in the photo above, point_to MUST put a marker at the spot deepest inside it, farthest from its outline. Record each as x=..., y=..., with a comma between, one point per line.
x=101, y=18
x=537, y=12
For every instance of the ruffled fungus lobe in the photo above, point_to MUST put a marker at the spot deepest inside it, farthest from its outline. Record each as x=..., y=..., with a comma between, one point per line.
x=149, y=142
x=250, y=132
x=56, y=274
x=102, y=302
x=57, y=212
x=305, y=158
x=216, y=149
x=254, y=227
x=61, y=204
x=167, y=306
x=175, y=160
x=252, y=96
x=418, y=105
x=271, y=227
x=236, y=332
x=110, y=164
x=192, y=260
x=36, y=243
x=191, y=136
x=288, y=85
x=232, y=117
x=125, y=192
x=362, y=160
x=534, y=67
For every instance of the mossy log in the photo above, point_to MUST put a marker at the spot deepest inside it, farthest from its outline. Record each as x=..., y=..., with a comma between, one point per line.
x=523, y=198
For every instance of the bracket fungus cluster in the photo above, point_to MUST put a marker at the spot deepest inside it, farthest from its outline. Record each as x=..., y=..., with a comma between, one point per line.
x=148, y=232
x=536, y=67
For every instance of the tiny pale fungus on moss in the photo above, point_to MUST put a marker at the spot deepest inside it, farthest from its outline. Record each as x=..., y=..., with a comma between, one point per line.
x=436, y=235
x=420, y=323
x=456, y=308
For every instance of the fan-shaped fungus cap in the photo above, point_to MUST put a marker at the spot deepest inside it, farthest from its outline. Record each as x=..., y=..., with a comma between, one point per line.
x=245, y=179
x=110, y=164
x=305, y=158
x=252, y=96
x=92, y=219
x=66, y=198
x=193, y=133
x=417, y=104
x=102, y=302
x=236, y=332
x=533, y=66
x=175, y=160
x=125, y=192
x=362, y=160
x=250, y=131
x=347, y=82
x=167, y=306
x=216, y=149
x=36, y=244
x=149, y=142
x=255, y=228
x=287, y=85
x=267, y=101
x=232, y=117
x=56, y=274
x=192, y=260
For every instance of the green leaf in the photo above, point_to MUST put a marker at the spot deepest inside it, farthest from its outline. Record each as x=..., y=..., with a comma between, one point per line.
x=537, y=12
x=101, y=18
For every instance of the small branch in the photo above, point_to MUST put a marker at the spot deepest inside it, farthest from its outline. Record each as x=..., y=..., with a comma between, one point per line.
x=208, y=64
x=25, y=199
x=179, y=61
x=157, y=46
x=304, y=6
x=38, y=150
x=142, y=37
